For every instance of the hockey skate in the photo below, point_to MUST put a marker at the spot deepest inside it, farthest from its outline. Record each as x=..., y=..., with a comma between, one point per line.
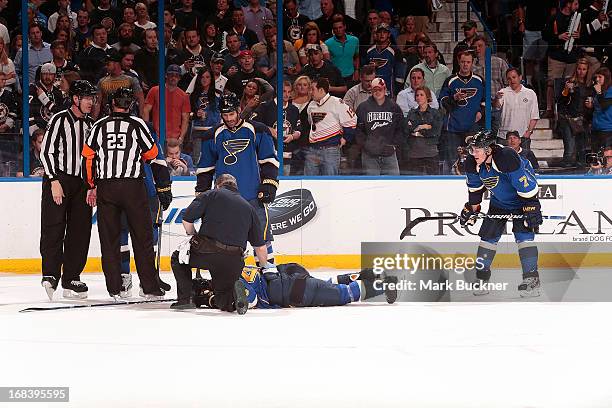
x=75, y=290
x=126, y=285
x=530, y=287
x=184, y=304
x=240, y=296
x=50, y=285
x=482, y=288
x=390, y=293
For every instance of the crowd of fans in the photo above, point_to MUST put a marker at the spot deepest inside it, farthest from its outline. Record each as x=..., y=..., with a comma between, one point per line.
x=218, y=46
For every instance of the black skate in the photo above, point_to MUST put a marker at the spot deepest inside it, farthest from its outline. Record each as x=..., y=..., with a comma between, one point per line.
x=184, y=304
x=390, y=294
x=530, y=287
x=50, y=285
x=165, y=286
x=126, y=285
x=240, y=296
x=75, y=290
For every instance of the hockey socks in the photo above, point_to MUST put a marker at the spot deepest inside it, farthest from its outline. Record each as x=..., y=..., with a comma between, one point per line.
x=528, y=254
x=484, y=259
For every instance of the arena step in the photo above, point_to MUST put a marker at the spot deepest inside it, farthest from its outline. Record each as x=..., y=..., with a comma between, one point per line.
x=545, y=154
x=554, y=144
x=542, y=134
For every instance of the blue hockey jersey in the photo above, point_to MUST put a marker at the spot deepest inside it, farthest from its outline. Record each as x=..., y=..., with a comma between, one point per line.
x=256, y=287
x=240, y=153
x=509, y=179
x=389, y=64
x=461, y=115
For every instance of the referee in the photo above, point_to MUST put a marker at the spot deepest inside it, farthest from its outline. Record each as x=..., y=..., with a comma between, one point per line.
x=65, y=226
x=114, y=152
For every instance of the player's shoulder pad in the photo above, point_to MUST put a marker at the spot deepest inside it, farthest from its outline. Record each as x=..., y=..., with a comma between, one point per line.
x=469, y=165
x=505, y=159
x=259, y=127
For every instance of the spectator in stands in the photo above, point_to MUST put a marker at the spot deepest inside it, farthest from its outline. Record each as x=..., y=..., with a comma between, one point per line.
x=36, y=167
x=5, y=37
x=514, y=140
x=571, y=119
x=105, y=15
x=187, y=17
x=212, y=39
x=301, y=98
x=461, y=96
x=602, y=168
x=62, y=65
x=142, y=17
x=179, y=164
x=204, y=102
x=325, y=22
x=312, y=35
x=63, y=24
x=519, y=107
x=344, y=50
x=423, y=126
x=408, y=38
x=317, y=67
x=435, y=72
x=251, y=99
x=293, y=21
x=127, y=64
x=45, y=98
x=332, y=123
x=238, y=81
x=595, y=36
x=146, y=61
x=67, y=79
x=193, y=48
x=367, y=38
x=358, y=9
x=223, y=15
x=15, y=46
x=248, y=37
x=254, y=17
x=385, y=17
x=91, y=60
x=379, y=132
x=420, y=9
x=406, y=99
x=467, y=44
x=126, y=38
x=362, y=91
x=82, y=33
x=170, y=20
x=63, y=8
x=231, y=55
x=310, y=8
x=267, y=114
x=39, y=52
x=9, y=115
x=114, y=80
x=7, y=67
x=560, y=62
x=178, y=108
x=601, y=103
x=261, y=48
x=291, y=63
x=388, y=60
x=173, y=48
x=129, y=17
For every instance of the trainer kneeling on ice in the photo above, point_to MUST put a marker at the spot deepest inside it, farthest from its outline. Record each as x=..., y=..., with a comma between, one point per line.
x=514, y=190
x=228, y=222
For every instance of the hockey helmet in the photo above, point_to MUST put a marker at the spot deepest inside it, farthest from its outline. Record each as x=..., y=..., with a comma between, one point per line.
x=229, y=103
x=480, y=140
x=123, y=98
x=82, y=88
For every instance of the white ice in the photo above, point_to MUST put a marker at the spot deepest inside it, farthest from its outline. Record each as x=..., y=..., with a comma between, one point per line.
x=531, y=354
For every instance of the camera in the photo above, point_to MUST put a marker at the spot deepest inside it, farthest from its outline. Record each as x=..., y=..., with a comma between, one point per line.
x=595, y=159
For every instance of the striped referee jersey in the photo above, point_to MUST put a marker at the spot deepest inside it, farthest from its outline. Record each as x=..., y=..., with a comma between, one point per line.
x=63, y=142
x=116, y=147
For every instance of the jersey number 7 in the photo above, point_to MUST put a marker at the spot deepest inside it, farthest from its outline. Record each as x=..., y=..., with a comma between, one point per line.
x=116, y=141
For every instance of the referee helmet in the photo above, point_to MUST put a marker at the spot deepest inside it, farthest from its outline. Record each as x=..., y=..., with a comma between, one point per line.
x=123, y=98
x=82, y=88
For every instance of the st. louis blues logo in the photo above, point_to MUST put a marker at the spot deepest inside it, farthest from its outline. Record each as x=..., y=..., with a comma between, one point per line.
x=233, y=147
x=490, y=182
x=468, y=93
x=378, y=62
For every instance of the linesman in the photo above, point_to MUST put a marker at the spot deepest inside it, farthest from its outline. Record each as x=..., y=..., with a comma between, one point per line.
x=114, y=153
x=65, y=226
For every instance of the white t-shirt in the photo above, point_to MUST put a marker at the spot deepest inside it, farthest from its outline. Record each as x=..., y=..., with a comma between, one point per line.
x=518, y=108
x=4, y=34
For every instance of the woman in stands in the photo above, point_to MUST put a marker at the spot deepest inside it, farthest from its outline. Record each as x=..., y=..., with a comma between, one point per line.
x=601, y=103
x=301, y=99
x=7, y=67
x=312, y=35
x=251, y=98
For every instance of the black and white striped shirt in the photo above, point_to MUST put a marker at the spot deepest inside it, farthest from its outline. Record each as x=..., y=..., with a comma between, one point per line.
x=63, y=143
x=116, y=146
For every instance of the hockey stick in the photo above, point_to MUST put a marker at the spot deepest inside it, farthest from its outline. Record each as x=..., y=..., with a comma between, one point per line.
x=127, y=302
x=507, y=217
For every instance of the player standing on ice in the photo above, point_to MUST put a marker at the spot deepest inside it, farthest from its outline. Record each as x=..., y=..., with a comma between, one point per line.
x=245, y=150
x=514, y=190
x=66, y=203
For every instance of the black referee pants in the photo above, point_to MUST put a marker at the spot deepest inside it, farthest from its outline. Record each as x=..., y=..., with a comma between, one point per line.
x=65, y=229
x=130, y=197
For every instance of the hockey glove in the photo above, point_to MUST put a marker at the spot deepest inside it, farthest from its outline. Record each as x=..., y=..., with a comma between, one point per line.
x=165, y=196
x=533, y=214
x=267, y=191
x=467, y=216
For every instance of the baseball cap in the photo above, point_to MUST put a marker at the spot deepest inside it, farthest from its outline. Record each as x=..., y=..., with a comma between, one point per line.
x=217, y=56
x=268, y=23
x=383, y=26
x=245, y=53
x=513, y=133
x=313, y=47
x=378, y=83
x=173, y=69
x=469, y=24
x=112, y=55
x=48, y=68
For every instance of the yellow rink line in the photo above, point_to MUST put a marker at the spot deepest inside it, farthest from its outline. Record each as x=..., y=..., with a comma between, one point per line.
x=353, y=262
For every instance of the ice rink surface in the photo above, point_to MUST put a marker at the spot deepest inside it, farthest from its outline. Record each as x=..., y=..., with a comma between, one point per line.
x=370, y=355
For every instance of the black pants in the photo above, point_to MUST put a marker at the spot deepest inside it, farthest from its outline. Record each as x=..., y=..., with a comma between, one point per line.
x=64, y=229
x=422, y=165
x=224, y=269
x=128, y=196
